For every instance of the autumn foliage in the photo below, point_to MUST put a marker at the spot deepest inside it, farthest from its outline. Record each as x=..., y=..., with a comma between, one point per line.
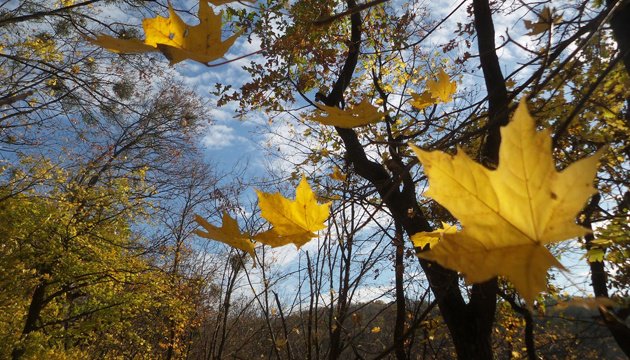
x=435, y=186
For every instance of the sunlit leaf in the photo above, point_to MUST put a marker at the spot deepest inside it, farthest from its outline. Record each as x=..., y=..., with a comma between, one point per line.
x=294, y=221
x=438, y=91
x=177, y=40
x=422, y=239
x=337, y=174
x=361, y=114
x=510, y=213
x=229, y=233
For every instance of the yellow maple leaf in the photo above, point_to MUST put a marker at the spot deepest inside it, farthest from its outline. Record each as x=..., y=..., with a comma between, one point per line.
x=510, y=213
x=229, y=233
x=338, y=175
x=420, y=101
x=294, y=221
x=442, y=88
x=438, y=91
x=175, y=39
x=546, y=19
x=361, y=114
x=422, y=239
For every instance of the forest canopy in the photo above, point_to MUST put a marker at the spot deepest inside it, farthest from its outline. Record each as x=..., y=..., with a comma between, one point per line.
x=429, y=179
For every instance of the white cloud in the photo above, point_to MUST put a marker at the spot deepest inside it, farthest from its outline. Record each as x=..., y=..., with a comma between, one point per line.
x=219, y=136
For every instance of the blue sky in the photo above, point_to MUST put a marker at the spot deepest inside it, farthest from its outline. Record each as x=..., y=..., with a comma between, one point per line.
x=231, y=142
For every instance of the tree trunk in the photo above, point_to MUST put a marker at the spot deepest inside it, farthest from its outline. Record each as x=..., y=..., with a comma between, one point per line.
x=599, y=279
x=469, y=324
x=620, y=23
x=399, y=268
x=34, y=312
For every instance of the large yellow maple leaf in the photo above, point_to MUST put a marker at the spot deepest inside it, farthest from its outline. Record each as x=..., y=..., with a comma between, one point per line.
x=294, y=221
x=175, y=39
x=361, y=114
x=229, y=233
x=508, y=214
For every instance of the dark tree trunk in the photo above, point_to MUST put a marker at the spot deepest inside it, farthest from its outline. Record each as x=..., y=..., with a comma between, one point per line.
x=399, y=268
x=34, y=311
x=620, y=23
x=470, y=324
x=599, y=279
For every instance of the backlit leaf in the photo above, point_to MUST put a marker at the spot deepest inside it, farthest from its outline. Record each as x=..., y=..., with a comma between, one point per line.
x=510, y=213
x=294, y=221
x=177, y=40
x=438, y=91
x=422, y=239
x=229, y=233
x=361, y=114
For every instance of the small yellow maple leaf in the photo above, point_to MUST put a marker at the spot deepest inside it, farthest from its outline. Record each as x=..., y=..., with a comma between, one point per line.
x=294, y=221
x=361, y=114
x=422, y=239
x=438, y=91
x=376, y=330
x=510, y=213
x=229, y=233
x=420, y=101
x=280, y=343
x=337, y=174
x=546, y=19
x=442, y=88
x=175, y=39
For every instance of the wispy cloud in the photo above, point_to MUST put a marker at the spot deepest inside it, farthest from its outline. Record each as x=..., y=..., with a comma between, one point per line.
x=220, y=136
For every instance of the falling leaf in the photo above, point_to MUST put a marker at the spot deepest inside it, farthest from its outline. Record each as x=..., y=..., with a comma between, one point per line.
x=229, y=233
x=361, y=114
x=420, y=101
x=177, y=40
x=442, y=89
x=280, y=343
x=438, y=91
x=337, y=174
x=422, y=239
x=294, y=221
x=546, y=19
x=510, y=213
x=274, y=239
x=121, y=46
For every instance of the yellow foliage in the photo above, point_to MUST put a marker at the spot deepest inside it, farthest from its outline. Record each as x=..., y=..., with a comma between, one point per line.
x=294, y=221
x=361, y=114
x=510, y=213
x=44, y=48
x=175, y=39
